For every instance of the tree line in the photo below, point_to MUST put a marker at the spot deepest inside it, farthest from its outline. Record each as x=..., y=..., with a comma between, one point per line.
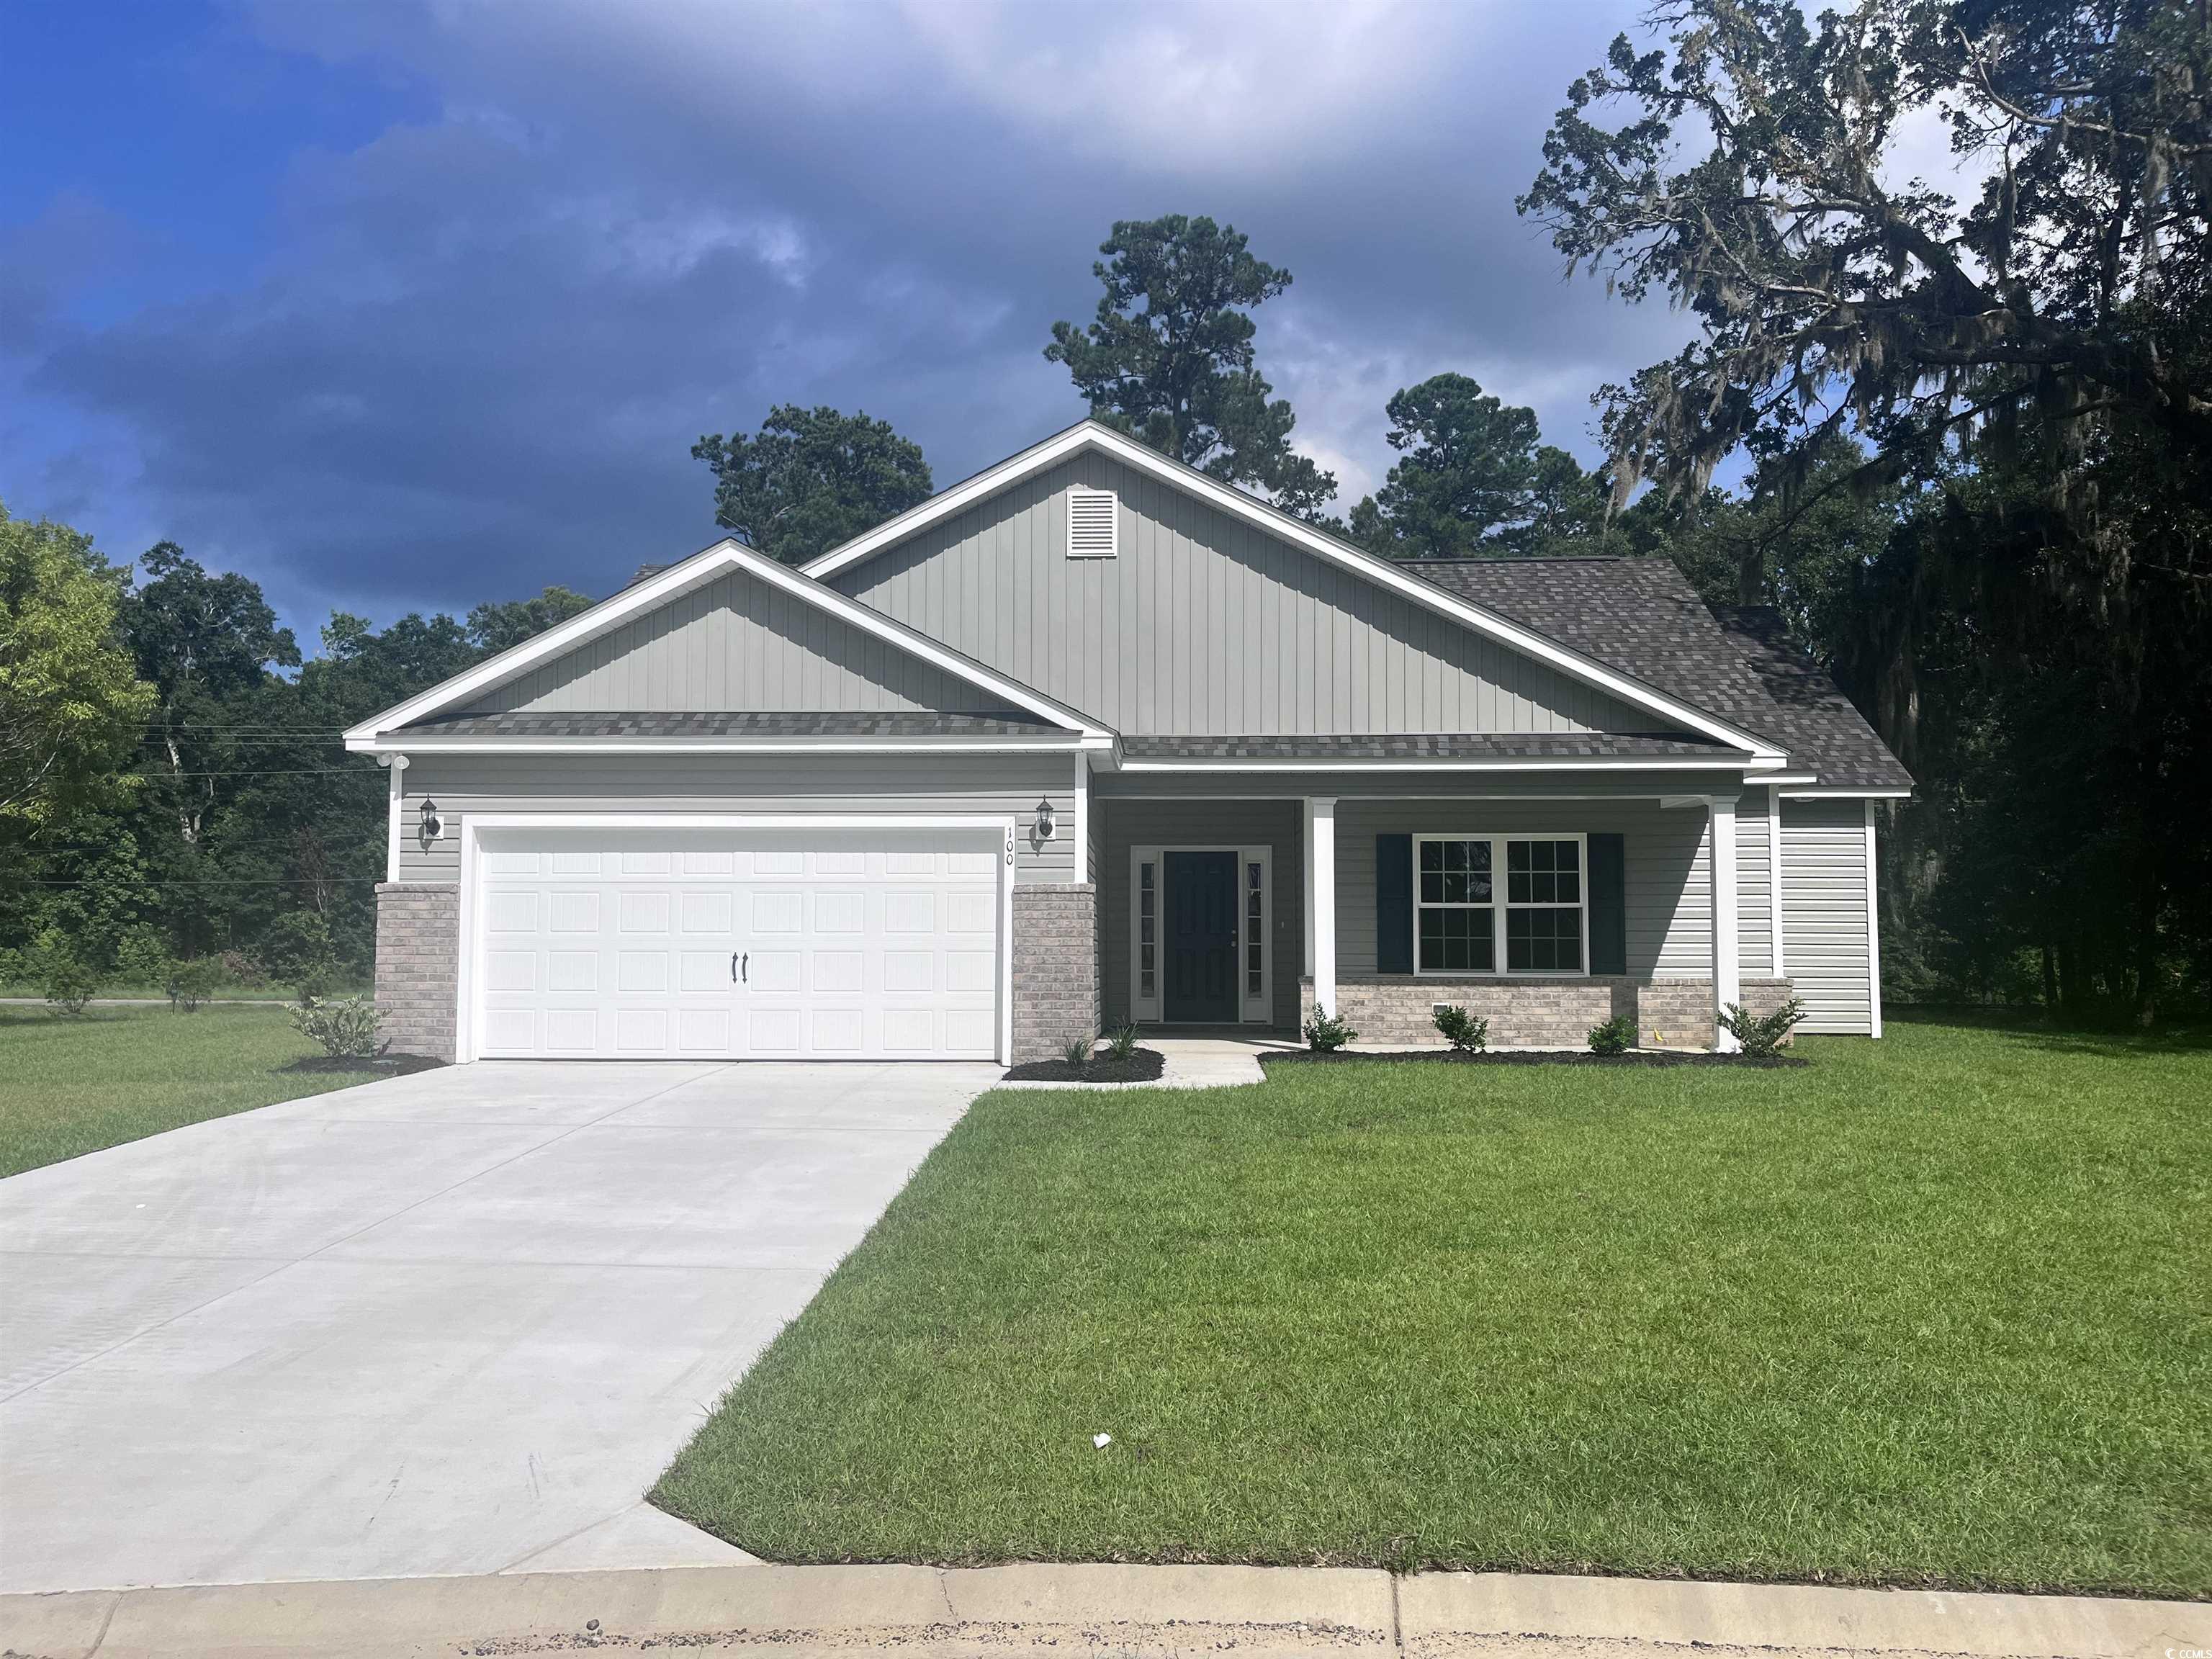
x=1974, y=424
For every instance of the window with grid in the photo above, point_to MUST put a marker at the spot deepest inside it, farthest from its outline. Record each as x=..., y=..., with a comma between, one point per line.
x=1254, y=946
x=1543, y=907
x=1148, y=928
x=1455, y=923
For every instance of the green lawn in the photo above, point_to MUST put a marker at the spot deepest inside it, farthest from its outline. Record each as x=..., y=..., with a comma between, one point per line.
x=71, y=1086
x=1933, y=1310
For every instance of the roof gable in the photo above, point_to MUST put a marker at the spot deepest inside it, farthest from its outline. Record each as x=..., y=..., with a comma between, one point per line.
x=769, y=634
x=988, y=494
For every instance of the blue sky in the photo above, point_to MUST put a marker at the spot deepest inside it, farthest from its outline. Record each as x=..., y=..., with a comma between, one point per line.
x=409, y=306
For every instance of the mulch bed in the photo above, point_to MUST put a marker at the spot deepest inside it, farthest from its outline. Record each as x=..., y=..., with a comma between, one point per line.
x=382, y=1064
x=1143, y=1066
x=1454, y=1057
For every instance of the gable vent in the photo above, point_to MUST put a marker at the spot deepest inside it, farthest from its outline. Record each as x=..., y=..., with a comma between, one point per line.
x=1090, y=524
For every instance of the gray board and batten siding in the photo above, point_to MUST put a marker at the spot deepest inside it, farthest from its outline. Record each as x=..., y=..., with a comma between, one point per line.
x=1204, y=623
x=734, y=643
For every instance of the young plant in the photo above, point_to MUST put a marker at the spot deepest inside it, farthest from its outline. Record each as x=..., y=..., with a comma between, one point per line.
x=1466, y=1034
x=1616, y=1037
x=1078, y=1051
x=1326, y=1033
x=191, y=983
x=1761, y=1038
x=69, y=984
x=346, y=1029
x=1121, y=1041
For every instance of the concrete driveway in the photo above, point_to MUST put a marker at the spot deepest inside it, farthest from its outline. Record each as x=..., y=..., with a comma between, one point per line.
x=448, y=1323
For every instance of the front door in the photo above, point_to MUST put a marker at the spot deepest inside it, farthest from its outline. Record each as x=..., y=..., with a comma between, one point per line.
x=1201, y=918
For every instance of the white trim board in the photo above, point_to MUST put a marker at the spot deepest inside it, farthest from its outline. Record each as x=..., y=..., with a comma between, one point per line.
x=1091, y=435
x=473, y=824
x=1591, y=764
x=700, y=568
x=498, y=745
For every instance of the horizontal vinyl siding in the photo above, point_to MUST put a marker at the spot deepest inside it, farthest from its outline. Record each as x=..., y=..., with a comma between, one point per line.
x=1753, y=877
x=1824, y=915
x=1000, y=786
x=1570, y=789
x=734, y=644
x=1669, y=884
x=1205, y=624
x=1278, y=825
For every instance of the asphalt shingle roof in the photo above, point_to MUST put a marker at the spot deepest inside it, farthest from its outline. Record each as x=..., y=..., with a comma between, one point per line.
x=770, y=724
x=1643, y=617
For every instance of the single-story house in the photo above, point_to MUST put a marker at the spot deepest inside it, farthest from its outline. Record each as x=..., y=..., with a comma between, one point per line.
x=1093, y=737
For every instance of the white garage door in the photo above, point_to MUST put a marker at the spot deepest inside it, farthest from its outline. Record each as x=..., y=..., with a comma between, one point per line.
x=686, y=945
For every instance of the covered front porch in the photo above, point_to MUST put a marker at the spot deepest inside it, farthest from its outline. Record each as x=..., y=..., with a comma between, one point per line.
x=1544, y=908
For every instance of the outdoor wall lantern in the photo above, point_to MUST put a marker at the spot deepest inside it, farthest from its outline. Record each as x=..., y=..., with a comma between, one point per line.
x=431, y=826
x=1047, y=822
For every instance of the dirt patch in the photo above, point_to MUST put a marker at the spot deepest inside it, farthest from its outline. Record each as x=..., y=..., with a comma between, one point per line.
x=1143, y=1066
x=379, y=1064
x=1565, y=1057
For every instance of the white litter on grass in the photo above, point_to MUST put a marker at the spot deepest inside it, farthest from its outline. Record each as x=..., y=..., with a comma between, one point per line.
x=1102, y=1441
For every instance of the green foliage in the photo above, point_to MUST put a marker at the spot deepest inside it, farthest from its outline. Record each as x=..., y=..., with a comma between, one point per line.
x=1327, y=1032
x=1761, y=1036
x=1474, y=480
x=70, y=704
x=296, y=946
x=1077, y=1050
x=1466, y=1034
x=1121, y=1041
x=1169, y=357
x=1981, y=425
x=346, y=1029
x=811, y=479
x=1615, y=1036
x=191, y=983
x=68, y=983
x=496, y=628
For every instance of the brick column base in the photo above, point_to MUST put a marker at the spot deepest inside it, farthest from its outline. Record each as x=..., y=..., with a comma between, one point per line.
x=1055, y=967
x=418, y=960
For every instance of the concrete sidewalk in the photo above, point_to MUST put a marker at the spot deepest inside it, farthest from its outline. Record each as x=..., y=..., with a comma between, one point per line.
x=1120, y=1610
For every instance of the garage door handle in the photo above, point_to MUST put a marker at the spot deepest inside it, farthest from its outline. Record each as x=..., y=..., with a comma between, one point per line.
x=741, y=965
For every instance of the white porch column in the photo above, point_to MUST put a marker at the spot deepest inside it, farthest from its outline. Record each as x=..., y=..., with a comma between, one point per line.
x=395, y=810
x=1728, y=976
x=1305, y=866
x=1321, y=896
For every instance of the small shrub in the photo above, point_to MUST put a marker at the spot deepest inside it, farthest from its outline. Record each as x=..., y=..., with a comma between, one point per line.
x=1616, y=1037
x=191, y=983
x=1327, y=1032
x=1761, y=1037
x=346, y=1029
x=1466, y=1034
x=69, y=984
x=1121, y=1041
x=1078, y=1051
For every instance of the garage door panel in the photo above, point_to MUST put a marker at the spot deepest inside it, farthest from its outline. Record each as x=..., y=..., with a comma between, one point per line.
x=703, y=971
x=573, y=913
x=641, y=972
x=779, y=912
x=619, y=944
x=839, y=971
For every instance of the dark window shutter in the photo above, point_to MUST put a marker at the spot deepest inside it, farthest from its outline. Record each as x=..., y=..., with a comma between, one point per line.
x=1608, y=905
x=1394, y=904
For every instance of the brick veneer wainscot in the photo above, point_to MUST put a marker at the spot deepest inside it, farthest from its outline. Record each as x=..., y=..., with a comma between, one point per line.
x=418, y=960
x=1538, y=1013
x=1055, y=967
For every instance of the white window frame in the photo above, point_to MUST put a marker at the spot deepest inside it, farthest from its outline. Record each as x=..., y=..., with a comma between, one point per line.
x=1500, y=906
x=1253, y=1010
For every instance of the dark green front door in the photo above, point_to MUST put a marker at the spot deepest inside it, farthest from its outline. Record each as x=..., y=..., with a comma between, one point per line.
x=1202, y=930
